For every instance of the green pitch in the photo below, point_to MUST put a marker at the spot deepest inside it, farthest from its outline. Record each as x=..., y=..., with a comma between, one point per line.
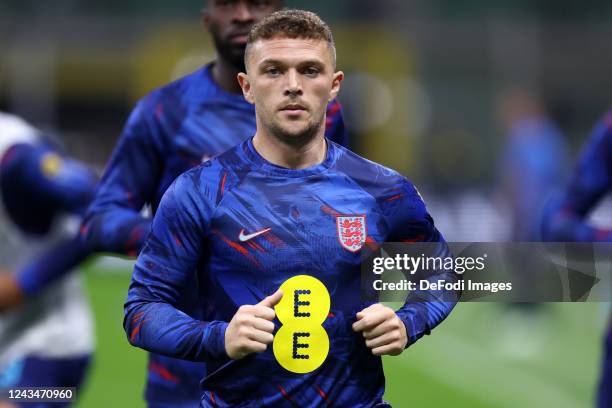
x=484, y=355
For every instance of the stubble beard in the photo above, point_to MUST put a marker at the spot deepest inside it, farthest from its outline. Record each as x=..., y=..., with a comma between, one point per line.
x=300, y=139
x=233, y=54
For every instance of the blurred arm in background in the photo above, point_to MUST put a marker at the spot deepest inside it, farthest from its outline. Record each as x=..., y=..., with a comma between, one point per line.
x=38, y=184
x=29, y=280
x=565, y=219
x=114, y=221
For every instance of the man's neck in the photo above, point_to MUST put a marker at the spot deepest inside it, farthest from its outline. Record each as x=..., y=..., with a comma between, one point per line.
x=224, y=74
x=290, y=156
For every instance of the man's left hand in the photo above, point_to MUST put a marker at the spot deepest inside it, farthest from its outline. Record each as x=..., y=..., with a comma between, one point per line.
x=384, y=331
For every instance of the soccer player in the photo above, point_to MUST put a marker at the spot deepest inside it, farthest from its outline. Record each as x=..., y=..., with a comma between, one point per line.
x=532, y=163
x=46, y=334
x=171, y=130
x=283, y=205
x=565, y=219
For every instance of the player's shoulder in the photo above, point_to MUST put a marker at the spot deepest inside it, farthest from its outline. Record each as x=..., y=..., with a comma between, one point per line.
x=189, y=189
x=388, y=187
x=176, y=93
x=334, y=107
x=215, y=177
x=365, y=171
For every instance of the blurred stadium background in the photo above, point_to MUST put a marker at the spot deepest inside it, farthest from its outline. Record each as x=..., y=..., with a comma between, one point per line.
x=427, y=93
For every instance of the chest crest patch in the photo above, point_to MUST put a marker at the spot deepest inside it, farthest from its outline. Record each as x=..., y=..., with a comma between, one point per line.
x=352, y=231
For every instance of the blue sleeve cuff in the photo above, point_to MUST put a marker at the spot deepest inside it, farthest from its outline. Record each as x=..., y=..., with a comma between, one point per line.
x=416, y=327
x=214, y=339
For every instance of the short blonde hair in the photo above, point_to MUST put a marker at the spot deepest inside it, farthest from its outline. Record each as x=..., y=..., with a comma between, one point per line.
x=291, y=24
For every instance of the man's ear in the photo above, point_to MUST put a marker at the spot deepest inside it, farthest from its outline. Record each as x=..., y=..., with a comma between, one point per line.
x=243, y=80
x=205, y=18
x=337, y=79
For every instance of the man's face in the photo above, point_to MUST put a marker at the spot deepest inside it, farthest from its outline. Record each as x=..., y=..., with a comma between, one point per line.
x=229, y=23
x=290, y=81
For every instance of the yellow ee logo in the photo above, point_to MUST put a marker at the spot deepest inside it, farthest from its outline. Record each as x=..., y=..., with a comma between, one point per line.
x=301, y=344
x=51, y=164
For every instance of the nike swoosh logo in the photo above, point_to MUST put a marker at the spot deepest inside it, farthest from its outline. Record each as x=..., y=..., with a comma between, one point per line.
x=243, y=238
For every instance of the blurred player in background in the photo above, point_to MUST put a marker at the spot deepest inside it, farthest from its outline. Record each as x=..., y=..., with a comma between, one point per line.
x=46, y=333
x=532, y=168
x=566, y=218
x=285, y=202
x=172, y=129
x=533, y=161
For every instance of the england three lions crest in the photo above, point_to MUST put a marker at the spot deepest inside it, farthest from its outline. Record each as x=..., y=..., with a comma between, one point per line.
x=352, y=231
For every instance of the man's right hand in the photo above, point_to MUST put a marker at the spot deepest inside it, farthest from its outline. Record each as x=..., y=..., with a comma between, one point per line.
x=251, y=328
